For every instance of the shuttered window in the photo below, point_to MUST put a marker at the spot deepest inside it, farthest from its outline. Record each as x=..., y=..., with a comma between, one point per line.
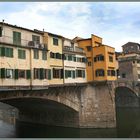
x=49, y=74
x=44, y=55
x=21, y=54
x=28, y=74
x=55, y=41
x=36, y=54
x=8, y=52
x=36, y=39
x=73, y=74
x=16, y=38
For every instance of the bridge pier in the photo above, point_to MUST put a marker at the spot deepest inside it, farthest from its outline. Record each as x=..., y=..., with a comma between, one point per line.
x=97, y=107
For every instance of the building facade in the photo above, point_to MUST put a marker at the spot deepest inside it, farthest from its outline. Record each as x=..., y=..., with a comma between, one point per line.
x=74, y=63
x=131, y=47
x=23, y=57
x=101, y=63
x=129, y=67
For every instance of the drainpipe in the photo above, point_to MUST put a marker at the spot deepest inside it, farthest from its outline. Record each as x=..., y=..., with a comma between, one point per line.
x=63, y=61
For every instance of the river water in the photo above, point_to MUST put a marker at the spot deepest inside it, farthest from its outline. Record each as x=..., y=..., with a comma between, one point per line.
x=128, y=126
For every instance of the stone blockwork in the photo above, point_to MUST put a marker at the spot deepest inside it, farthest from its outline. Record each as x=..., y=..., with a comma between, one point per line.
x=97, y=107
x=84, y=106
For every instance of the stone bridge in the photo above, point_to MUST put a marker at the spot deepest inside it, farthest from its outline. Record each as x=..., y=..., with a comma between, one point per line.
x=90, y=105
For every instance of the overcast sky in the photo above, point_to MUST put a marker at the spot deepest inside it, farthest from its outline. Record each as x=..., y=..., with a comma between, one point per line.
x=116, y=22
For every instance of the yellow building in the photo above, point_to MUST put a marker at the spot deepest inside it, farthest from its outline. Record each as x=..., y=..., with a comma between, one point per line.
x=23, y=58
x=55, y=57
x=101, y=63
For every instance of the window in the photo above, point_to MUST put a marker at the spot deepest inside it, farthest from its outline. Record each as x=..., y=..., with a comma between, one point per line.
x=0, y=31
x=36, y=73
x=99, y=58
x=123, y=75
x=110, y=58
x=21, y=54
x=138, y=76
x=56, y=73
x=44, y=55
x=80, y=73
x=89, y=48
x=74, y=58
x=21, y=73
x=99, y=72
x=79, y=59
x=70, y=57
x=89, y=63
x=111, y=72
x=16, y=38
x=55, y=41
x=36, y=54
x=8, y=52
x=9, y=73
x=36, y=39
x=56, y=55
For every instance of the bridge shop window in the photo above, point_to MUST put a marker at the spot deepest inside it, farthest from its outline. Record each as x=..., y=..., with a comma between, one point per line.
x=70, y=74
x=57, y=73
x=80, y=73
x=99, y=72
x=21, y=74
x=111, y=72
x=99, y=58
x=9, y=73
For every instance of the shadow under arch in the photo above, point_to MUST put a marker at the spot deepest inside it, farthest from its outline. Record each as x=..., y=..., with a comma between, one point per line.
x=39, y=110
x=126, y=97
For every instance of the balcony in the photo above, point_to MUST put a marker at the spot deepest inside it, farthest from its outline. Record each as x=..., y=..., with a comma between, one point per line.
x=68, y=48
x=79, y=50
x=22, y=43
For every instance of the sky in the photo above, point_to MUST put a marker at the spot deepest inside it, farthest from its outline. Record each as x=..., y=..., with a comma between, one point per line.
x=116, y=22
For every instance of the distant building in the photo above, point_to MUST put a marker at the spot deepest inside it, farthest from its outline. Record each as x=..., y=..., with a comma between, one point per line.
x=129, y=67
x=131, y=47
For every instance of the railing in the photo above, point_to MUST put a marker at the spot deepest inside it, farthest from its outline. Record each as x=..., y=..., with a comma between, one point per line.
x=22, y=42
x=68, y=48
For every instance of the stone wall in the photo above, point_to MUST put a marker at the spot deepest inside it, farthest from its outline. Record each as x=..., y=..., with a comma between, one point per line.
x=97, y=107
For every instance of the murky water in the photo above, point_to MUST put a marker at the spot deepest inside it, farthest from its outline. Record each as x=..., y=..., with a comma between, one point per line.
x=128, y=126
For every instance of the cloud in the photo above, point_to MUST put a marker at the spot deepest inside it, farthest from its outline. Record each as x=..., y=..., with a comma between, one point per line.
x=117, y=23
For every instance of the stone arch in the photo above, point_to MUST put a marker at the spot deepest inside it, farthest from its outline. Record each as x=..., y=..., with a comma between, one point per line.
x=126, y=97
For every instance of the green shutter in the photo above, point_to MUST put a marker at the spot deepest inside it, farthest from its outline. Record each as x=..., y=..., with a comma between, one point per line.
x=16, y=73
x=49, y=74
x=28, y=74
x=3, y=72
x=2, y=51
x=41, y=73
x=73, y=74
x=66, y=74
x=83, y=73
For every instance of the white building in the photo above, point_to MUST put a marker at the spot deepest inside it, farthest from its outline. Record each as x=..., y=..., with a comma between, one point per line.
x=74, y=63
